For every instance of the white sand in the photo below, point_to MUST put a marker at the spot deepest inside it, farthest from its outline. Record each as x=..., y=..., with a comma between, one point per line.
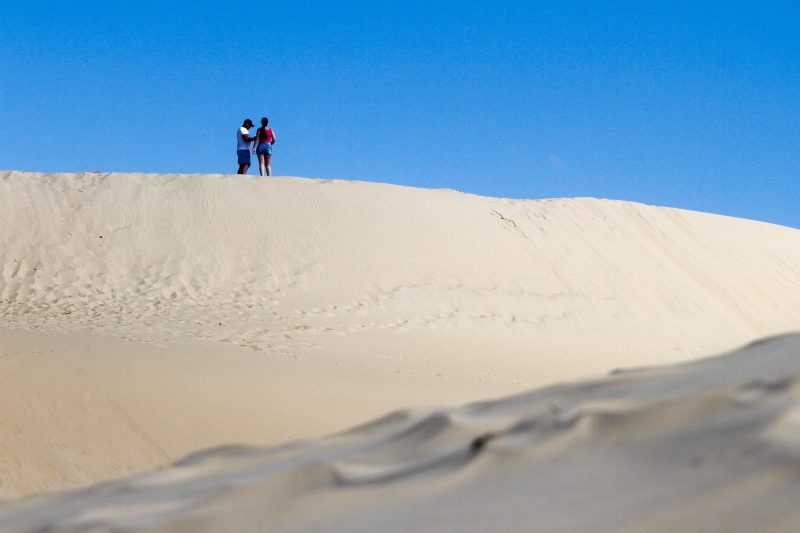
x=706, y=446
x=146, y=316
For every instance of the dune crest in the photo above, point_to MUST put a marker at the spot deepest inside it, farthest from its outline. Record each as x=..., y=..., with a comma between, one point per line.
x=189, y=311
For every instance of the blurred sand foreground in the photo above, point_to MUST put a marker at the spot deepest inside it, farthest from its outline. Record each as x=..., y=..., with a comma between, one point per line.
x=145, y=317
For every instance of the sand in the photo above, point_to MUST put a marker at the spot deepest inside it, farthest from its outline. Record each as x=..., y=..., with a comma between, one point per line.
x=712, y=445
x=145, y=317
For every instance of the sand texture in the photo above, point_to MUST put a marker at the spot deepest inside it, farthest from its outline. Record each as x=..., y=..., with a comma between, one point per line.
x=712, y=445
x=145, y=317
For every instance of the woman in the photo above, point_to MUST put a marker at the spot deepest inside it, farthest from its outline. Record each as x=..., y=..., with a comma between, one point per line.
x=265, y=138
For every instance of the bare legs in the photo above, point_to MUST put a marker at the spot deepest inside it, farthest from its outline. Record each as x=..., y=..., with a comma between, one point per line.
x=243, y=168
x=263, y=165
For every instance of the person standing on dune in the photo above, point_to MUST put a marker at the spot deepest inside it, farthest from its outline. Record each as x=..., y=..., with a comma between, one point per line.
x=243, y=141
x=265, y=138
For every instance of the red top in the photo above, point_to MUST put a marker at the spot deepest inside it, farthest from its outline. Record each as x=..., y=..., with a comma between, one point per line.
x=265, y=136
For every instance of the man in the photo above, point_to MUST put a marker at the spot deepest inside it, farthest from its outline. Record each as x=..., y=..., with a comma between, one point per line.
x=243, y=141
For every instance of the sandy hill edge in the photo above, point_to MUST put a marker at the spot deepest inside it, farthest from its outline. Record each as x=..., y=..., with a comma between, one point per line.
x=711, y=445
x=146, y=316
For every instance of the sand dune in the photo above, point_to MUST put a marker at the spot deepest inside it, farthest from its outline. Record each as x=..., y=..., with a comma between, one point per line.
x=147, y=316
x=711, y=445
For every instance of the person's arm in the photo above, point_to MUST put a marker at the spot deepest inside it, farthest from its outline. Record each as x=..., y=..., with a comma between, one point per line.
x=274, y=137
x=246, y=136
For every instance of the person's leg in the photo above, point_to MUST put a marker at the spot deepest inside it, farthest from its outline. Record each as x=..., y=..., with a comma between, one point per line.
x=261, y=165
x=244, y=160
x=267, y=159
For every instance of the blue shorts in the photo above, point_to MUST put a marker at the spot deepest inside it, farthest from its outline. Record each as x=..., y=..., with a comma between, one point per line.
x=244, y=156
x=264, y=149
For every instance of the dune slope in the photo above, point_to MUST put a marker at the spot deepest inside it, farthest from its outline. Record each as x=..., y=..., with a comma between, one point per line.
x=707, y=445
x=146, y=316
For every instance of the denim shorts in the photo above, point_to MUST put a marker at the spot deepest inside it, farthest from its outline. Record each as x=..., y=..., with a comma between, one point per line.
x=264, y=149
x=244, y=156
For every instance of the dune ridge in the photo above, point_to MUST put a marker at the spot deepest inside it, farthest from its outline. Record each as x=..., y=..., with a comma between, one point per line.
x=707, y=445
x=144, y=255
x=189, y=311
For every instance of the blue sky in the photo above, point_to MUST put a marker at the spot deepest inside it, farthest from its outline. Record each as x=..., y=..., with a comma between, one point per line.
x=686, y=104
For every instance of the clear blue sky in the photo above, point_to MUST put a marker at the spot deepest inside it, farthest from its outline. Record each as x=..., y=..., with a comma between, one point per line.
x=685, y=104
